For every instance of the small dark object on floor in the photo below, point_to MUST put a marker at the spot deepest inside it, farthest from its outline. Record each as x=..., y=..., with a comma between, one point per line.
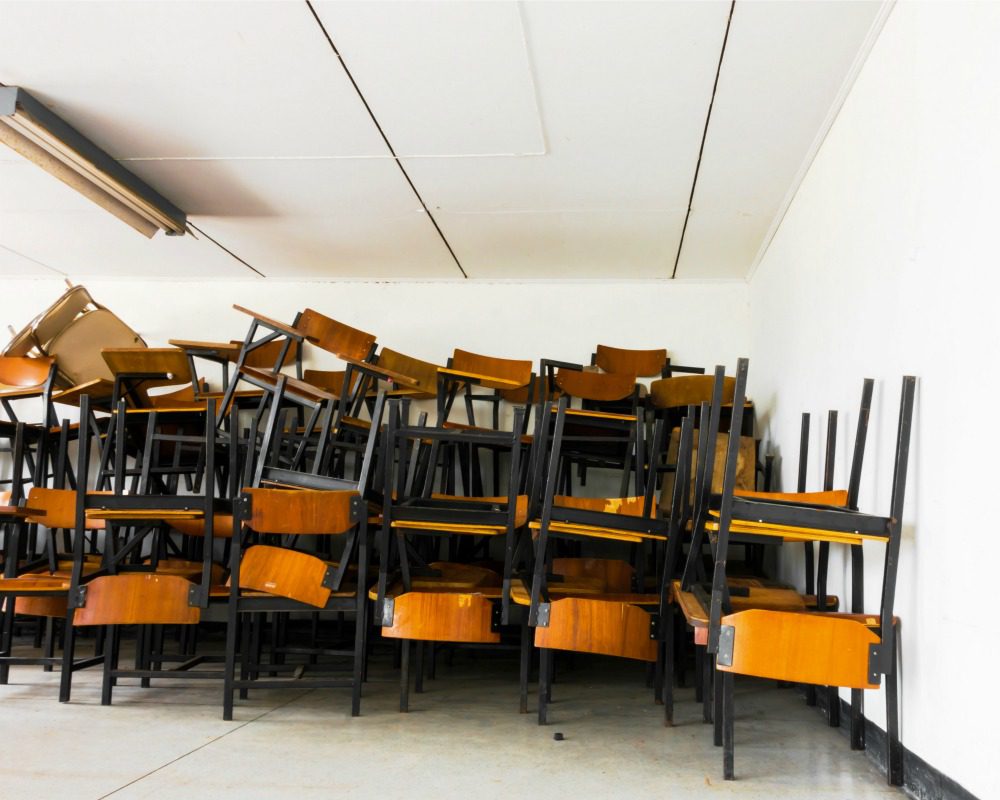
x=557, y=736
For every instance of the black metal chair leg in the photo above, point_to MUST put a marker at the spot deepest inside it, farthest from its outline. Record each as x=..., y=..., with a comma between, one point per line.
x=718, y=699
x=110, y=647
x=6, y=638
x=727, y=712
x=69, y=644
x=833, y=706
x=544, y=692
x=893, y=745
x=49, y=643
x=232, y=618
x=668, y=667
x=857, y=719
x=404, y=676
x=421, y=665
x=526, y=647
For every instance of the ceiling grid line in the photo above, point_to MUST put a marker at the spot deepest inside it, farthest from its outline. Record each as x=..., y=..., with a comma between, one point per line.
x=385, y=138
x=704, y=136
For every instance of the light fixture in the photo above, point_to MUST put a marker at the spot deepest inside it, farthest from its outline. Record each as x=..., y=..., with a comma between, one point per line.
x=42, y=137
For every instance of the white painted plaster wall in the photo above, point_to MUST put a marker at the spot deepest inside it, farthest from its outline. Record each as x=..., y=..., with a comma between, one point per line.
x=699, y=323
x=886, y=264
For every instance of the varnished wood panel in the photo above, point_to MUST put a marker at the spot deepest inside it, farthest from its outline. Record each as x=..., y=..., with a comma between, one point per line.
x=519, y=372
x=585, y=625
x=137, y=599
x=643, y=363
x=597, y=386
x=285, y=572
x=24, y=372
x=304, y=511
x=688, y=390
x=41, y=606
x=442, y=617
x=335, y=337
x=614, y=575
x=424, y=373
x=822, y=649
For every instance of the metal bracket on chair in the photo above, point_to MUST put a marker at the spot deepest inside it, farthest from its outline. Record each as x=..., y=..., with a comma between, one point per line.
x=727, y=639
x=78, y=597
x=544, y=613
x=655, y=626
x=359, y=506
x=329, y=578
x=875, y=670
x=495, y=617
x=388, y=609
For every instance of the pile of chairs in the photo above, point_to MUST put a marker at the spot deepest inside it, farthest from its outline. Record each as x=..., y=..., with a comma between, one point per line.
x=584, y=508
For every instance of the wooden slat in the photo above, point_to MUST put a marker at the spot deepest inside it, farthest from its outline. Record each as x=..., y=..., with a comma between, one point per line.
x=442, y=617
x=137, y=599
x=284, y=572
x=821, y=649
x=602, y=626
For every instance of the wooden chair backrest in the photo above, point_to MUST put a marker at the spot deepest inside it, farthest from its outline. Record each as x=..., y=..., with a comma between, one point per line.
x=423, y=372
x=137, y=598
x=507, y=368
x=302, y=511
x=335, y=337
x=688, y=390
x=616, y=574
x=626, y=506
x=50, y=322
x=641, y=363
x=746, y=474
x=264, y=356
x=24, y=372
x=596, y=386
x=170, y=361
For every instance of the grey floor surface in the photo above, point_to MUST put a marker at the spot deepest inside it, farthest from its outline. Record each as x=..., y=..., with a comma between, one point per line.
x=462, y=738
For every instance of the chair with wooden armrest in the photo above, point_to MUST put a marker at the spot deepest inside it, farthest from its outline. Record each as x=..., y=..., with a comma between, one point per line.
x=565, y=611
x=36, y=584
x=419, y=595
x=617, y=393
x=689, y=592
x=826, y=648
x=498, y=376
x=73, y=330
x=137, y=512
x=354, y=347
x=270, y=575
x=466, y=370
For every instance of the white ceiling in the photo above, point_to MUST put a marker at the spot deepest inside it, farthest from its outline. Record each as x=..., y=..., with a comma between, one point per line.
x=547, y=139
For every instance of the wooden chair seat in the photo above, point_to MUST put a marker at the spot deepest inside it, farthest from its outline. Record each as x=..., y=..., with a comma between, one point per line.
x=597, y=532
x=291, y=574
x=222, y=526
x=137, y=599
x=812, y=648
x=792, y=533
x=606, y=625
x=591, y=588
x=459, y=527
x=449, y=577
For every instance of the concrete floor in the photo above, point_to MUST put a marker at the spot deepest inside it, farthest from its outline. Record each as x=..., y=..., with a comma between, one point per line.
x=462, y=738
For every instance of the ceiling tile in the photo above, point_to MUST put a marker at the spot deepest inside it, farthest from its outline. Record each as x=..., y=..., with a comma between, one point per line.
x=442, y=78
x=784, y=66
x=188, y=79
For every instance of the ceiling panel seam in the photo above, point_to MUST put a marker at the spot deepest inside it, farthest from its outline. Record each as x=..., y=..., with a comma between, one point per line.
x=34, y=260
x=704, y=136
x=385, y=138
x=226, y=250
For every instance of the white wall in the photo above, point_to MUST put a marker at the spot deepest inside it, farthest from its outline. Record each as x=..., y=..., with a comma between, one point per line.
x=700, y=323
x=884, y=265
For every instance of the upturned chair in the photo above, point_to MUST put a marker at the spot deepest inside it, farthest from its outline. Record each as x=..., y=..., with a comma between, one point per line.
x=419, y=595
x=835, y=649
x=137, y=583
x=592, y=606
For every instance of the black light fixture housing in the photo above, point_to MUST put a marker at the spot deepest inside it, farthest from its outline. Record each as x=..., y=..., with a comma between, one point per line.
x=41, y=136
